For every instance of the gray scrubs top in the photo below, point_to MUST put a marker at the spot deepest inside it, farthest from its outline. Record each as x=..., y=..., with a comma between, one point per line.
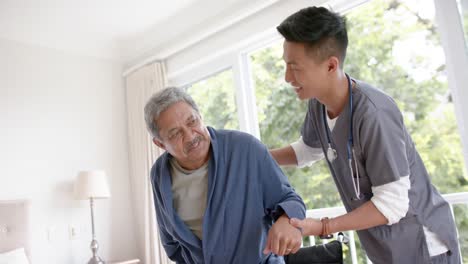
x=384, y=152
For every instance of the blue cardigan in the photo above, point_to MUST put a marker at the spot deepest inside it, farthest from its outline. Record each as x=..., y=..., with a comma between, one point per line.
x=247, y=191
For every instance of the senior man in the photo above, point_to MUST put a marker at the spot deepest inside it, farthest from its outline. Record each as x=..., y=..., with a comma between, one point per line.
x=219, y=195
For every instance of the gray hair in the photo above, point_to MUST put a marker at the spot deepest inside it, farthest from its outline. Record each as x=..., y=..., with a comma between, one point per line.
x=160, y=102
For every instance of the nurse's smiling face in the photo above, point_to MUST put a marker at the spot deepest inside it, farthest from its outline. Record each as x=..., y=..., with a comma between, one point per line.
x=306, y=74
x=183, y=134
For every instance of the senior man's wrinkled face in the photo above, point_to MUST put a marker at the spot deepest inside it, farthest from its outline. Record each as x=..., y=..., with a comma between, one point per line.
x=183, y=134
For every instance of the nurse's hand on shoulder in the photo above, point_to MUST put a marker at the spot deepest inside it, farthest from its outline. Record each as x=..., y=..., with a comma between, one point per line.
x=309, y=226
x=283, y=238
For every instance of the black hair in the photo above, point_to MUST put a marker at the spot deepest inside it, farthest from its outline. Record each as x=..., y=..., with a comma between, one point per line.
x=323, y=32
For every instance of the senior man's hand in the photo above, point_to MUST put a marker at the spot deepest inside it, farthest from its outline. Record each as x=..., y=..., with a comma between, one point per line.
x=283, y=238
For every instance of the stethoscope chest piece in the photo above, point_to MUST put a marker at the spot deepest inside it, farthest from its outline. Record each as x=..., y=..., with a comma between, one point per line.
x=331, y=154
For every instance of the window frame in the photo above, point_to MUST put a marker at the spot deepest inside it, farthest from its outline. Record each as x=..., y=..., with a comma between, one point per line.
x=450, y=28
x=236, y=57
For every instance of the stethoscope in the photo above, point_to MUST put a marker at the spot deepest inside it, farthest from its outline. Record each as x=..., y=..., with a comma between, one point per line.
x=331, y=152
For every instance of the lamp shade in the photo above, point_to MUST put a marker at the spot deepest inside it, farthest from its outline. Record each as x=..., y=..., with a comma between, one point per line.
x=91, y=184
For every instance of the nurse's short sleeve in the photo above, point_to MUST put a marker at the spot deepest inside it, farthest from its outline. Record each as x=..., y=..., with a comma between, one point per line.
x=309, y=130
x=383, y=142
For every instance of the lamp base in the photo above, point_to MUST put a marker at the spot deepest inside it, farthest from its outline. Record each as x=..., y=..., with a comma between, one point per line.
x=96, y=260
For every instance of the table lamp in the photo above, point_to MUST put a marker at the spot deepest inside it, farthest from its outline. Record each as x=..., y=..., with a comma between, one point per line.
x=92, y=185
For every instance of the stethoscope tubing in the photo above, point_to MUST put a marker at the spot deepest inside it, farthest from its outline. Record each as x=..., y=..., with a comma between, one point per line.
x=349, y=144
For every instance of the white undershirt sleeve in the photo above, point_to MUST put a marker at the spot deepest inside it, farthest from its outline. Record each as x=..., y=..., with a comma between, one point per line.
x=392, y=200
x=306, y=155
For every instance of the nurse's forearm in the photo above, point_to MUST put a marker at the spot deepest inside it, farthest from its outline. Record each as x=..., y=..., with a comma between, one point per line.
x=363, y=217
x=284, y=156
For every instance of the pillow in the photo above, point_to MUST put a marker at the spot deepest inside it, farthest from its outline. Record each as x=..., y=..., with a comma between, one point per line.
x=17, y=256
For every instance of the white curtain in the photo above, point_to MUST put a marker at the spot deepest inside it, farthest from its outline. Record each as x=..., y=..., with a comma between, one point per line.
x=140, y=85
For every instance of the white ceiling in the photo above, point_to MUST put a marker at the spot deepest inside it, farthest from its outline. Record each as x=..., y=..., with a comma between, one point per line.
x=117, y=29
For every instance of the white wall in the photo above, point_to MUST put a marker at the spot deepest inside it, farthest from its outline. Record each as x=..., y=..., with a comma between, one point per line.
x=61, y=113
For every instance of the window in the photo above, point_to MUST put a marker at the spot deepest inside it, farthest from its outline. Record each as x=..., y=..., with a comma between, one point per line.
x=385, y=57
x=216, y=101
x=382, y=52
x=393, y=45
